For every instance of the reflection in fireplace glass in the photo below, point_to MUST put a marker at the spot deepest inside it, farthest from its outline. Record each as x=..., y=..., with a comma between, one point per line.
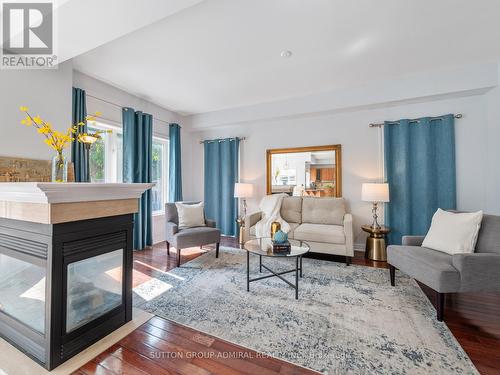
x=94, y=288
x=22, y=291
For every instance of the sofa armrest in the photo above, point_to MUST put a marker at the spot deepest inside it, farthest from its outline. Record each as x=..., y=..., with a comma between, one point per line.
x=210, y=223
x=479, y=272
x=413, y=240
x=249, y=221
x=349, y=235
x=172, y=230
x=252, y=219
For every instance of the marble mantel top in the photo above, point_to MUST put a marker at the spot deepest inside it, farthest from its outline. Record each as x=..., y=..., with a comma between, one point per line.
x=52, y=193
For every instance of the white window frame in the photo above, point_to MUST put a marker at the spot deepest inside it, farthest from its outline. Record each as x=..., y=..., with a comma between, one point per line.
x=165, y=142
x=110, y=151
x=111, y=157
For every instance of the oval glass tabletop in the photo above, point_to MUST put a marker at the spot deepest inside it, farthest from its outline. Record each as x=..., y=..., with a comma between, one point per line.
x=264, y=247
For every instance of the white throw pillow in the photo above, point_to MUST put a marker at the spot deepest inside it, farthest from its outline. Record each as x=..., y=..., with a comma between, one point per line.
x=453, y=233
x=190, y=215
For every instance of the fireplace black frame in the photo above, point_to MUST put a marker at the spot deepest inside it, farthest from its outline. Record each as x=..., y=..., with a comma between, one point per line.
x=56, y=246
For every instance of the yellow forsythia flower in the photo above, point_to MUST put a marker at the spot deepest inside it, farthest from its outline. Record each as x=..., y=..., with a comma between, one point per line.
x=37, y=120
x=27, y=121
x=23, y=109
x=97, y=113
x=43, y=130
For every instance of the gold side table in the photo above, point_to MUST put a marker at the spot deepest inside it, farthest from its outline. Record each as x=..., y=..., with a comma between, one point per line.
x=375, y=243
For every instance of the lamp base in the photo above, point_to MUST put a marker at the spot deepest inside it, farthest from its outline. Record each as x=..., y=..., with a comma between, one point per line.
x=241, y=225
x=375, y=224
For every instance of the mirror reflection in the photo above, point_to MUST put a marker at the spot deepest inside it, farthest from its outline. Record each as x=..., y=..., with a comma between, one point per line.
x=304, y=173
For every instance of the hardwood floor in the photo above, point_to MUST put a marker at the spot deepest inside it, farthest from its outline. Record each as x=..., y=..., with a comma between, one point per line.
x=163, y=347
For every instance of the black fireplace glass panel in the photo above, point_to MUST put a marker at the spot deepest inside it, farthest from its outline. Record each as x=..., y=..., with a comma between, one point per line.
x=94, y=287
x=22, y=291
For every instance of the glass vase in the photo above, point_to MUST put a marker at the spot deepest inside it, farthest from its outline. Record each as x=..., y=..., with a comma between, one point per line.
x=59, y=168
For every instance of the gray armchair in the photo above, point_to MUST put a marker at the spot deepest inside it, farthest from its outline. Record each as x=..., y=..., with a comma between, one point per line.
x=476, y=272
x=188, y=237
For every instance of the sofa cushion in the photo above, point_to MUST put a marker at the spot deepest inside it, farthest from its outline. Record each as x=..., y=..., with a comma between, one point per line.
x=190, y=215
x=293, y=226
x=432, y=268
x=320, y=233
x=291, y=209
x=196, y=236
x=488, y=240
x=453, y=232
x=323, y=211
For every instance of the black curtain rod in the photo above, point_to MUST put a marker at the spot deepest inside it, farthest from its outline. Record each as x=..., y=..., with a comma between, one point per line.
x=222, y=139
x=379, y=125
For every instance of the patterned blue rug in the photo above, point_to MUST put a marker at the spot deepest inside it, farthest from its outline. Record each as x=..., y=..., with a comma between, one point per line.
x=348, y=320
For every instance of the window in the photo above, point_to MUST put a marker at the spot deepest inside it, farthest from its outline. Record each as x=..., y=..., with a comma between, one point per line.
x=160, y=175
x=106, y=163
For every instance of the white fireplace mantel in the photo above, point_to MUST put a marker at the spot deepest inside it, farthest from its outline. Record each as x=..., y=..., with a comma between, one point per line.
x=48, y=192
x=53, y=203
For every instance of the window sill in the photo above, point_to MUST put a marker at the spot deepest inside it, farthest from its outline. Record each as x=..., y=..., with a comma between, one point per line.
x=158, y=213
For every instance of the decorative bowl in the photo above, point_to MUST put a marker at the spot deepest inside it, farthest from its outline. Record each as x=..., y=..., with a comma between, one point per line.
x=280, y=236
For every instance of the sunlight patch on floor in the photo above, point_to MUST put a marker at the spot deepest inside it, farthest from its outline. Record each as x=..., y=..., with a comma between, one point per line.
x=151, y=289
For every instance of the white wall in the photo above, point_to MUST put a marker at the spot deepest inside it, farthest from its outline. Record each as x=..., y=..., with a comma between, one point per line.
x=109, y=101
x=361, y=149
x=44, y=92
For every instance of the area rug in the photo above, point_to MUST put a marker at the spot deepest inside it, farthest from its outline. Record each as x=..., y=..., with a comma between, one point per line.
x=347, y=320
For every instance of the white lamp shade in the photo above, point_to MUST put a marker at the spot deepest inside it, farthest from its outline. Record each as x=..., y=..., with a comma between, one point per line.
x=378, y=192
x=242, y=190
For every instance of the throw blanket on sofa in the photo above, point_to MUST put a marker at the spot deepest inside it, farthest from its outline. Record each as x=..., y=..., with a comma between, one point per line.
x=270, y=206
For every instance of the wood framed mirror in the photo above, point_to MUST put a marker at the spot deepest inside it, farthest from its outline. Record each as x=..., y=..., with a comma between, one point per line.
x=305, y=171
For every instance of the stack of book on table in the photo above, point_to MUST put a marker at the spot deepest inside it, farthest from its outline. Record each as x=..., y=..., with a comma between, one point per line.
x=281, y=247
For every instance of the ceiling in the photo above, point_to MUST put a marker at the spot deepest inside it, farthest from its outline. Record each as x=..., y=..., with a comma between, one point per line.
x=222, y=54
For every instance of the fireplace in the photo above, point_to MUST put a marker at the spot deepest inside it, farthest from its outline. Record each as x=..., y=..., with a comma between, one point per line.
x=64, y=286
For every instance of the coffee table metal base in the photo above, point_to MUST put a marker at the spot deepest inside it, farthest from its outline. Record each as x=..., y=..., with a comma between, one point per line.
x=297, y=270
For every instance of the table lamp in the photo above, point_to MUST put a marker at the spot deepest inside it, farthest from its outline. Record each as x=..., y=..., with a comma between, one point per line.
x=242, y=191
x=375, y=193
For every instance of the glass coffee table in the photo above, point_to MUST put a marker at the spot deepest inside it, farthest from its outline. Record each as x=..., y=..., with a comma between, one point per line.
x=263, y=247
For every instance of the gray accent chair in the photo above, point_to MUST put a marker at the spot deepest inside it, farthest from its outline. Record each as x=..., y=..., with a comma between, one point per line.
x=181, y=238
x=476, y=272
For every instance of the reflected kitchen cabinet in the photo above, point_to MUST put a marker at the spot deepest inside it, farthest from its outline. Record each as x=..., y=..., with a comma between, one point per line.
x=311, y=171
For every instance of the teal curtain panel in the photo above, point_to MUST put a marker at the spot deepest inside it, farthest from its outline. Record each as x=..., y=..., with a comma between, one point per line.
x=137, y=167
x=221, y=173
x=174, y=161
x=420, y=170
x=80, y=155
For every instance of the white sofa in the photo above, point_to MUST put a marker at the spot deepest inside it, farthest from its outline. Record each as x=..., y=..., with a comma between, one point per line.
x=321, y=222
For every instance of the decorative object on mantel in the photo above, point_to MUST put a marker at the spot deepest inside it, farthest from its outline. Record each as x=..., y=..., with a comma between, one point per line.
x=242, y=191
x=58, y=141
x=375, y=193
x=28, y=170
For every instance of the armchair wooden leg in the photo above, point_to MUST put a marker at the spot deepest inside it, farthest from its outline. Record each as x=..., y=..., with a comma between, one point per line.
x=168, y=247
x=178, y=257
x=217, y=245
x=392, y=271
x=440, y=297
